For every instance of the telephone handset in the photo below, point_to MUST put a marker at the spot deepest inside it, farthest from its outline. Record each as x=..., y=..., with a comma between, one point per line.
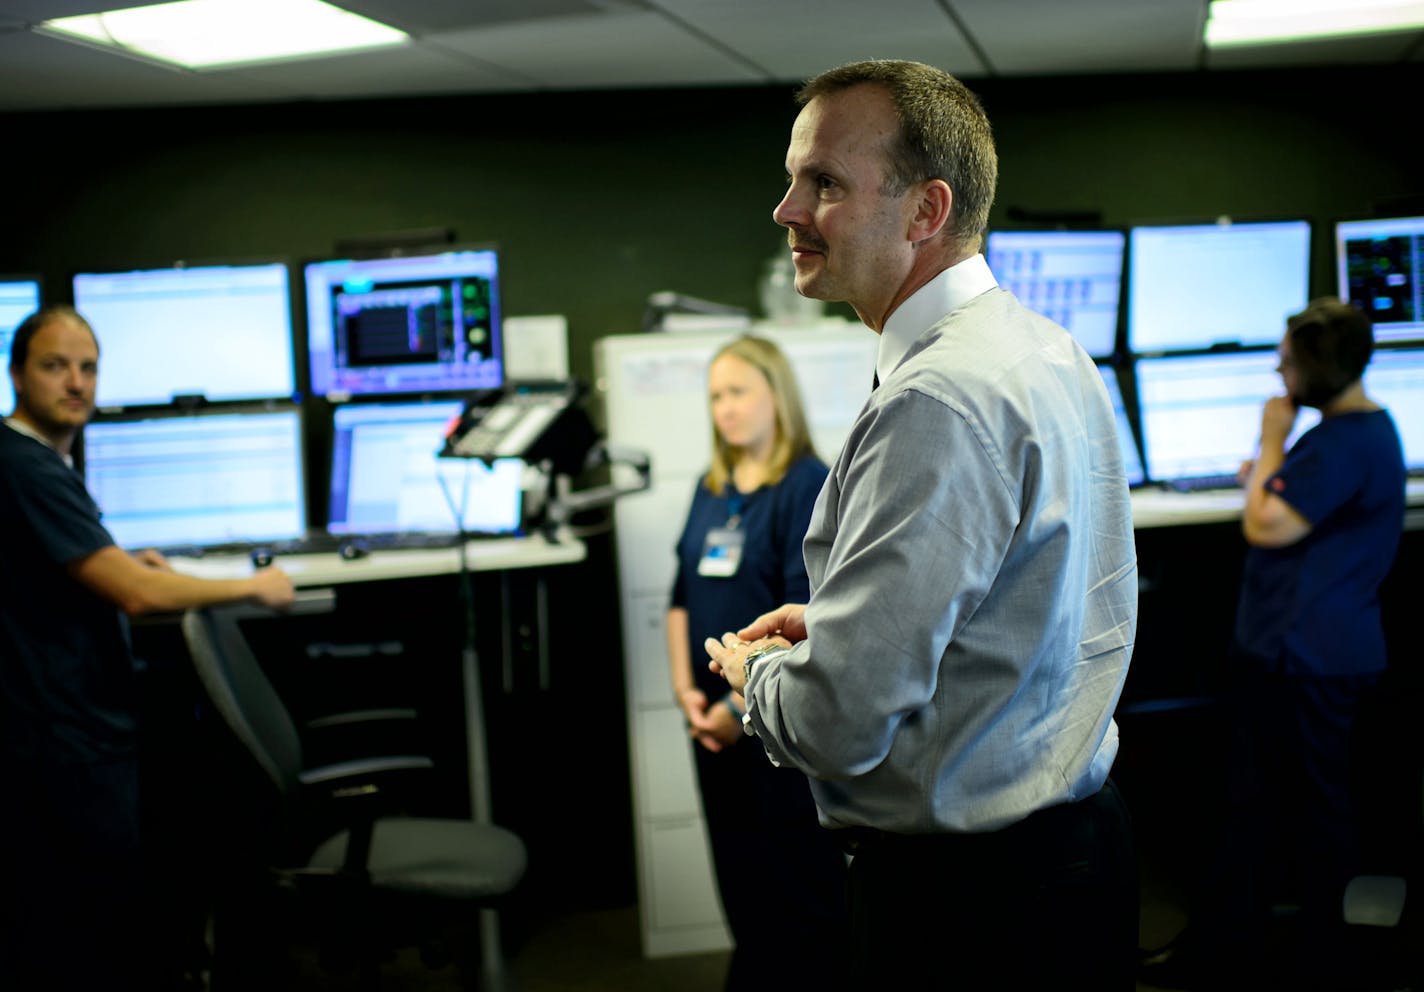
x=511, y=421
x=544, y=424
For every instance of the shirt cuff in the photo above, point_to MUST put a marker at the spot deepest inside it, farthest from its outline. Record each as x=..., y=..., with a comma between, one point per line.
x=748, y=725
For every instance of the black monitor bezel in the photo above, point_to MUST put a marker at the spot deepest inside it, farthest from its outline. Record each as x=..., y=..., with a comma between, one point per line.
x=334, y=397
x=1221, y=220
x=1119, y=327
x=296, y=337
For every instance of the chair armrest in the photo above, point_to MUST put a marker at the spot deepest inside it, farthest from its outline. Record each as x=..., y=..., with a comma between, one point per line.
x=361, y=717
x=353, y=794
x=344, y=738
x=365, y=768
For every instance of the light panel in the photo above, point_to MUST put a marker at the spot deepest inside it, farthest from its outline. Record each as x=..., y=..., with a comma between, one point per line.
x=1264, y=22
x=214, y=34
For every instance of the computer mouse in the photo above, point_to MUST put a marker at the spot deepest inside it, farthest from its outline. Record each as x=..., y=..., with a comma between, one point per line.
x=261, y=557
x=351, y=550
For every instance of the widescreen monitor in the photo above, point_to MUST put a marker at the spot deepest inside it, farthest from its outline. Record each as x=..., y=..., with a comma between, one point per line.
x=405, y=325
x=216, y=479
x=1395, y=380
x=1127, y=440
x=1201, y=414
x=219, y=332
x=1071, y=277
x=19, y=297
x=1380, y=269
x=1201, y=286
x=386, y=478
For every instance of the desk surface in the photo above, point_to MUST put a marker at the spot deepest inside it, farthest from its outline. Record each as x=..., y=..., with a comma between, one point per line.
x=1153, y=507
x=329, y=568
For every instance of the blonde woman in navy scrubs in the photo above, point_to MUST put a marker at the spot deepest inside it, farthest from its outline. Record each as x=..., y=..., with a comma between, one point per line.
x=780, y=874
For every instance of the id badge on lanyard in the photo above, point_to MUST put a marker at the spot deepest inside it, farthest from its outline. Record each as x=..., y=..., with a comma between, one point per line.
x=722, y=551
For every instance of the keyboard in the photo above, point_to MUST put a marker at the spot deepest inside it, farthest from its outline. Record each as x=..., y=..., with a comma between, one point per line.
x=325, y=543
x=1202, y=482
x=231, y=549
x=408, y=540
x=320, y=542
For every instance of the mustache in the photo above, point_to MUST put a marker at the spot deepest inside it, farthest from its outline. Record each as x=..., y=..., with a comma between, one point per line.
x=806, y=244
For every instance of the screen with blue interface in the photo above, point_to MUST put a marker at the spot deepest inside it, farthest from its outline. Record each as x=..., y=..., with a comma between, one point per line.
x=1071, y=277
x=386, y=478
x=1202, y=286
x=203, y=481
x=1201, y=414
x=19, y=297
x=413, y=324
x=222, y=332
x=1395, y=380
x=1380, y=266
x=1131, y=459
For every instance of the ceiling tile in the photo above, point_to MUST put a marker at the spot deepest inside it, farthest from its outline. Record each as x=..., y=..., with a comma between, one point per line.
x=35, y=11
x=792, y=40
x=617, y=49
x=419, y=68
x=428, y=16
x=38, y=72
x=1050, y=36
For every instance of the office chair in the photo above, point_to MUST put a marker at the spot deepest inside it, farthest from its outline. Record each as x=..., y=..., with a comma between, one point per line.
x=1387, y=922
x=1384, y=912
x=326, y=844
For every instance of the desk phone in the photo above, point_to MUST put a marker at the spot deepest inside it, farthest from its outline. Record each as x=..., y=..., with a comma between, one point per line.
x=509, y=422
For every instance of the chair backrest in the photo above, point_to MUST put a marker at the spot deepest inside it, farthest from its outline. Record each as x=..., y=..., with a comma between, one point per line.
x=243, y=695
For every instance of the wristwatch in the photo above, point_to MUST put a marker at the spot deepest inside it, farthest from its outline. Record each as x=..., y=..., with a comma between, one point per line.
x=757, y=654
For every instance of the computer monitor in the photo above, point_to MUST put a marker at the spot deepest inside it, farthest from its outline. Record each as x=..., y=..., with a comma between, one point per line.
x=220, y=332
x=204, y=480
x=1380, y=269
x=386, y=478
x=1395, y=379
x=1072, y=277
x=19, y=297
x=1127, y=440
x=405, y=325
x=1201, y=414
x=1201, y=286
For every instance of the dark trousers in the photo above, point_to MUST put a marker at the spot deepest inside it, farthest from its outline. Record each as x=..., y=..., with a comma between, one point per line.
x=74, y=907
x=1289, y=833
x=780, y=874
x=1050, y=902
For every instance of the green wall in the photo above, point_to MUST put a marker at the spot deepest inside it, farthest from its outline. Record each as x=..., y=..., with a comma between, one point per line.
x=598, y=199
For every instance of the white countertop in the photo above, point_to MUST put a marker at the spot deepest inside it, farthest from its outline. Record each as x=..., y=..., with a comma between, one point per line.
x=1155, y=507
x=329, y=568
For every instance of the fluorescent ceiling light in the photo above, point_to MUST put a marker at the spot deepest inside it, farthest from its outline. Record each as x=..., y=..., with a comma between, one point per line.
x=212, y=34
x=1264, y=22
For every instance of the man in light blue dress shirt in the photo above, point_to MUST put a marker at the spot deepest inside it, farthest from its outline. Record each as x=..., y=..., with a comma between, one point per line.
x=949, y=687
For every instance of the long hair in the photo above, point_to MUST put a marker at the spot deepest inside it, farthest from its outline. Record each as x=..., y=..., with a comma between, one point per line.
x=793, y=438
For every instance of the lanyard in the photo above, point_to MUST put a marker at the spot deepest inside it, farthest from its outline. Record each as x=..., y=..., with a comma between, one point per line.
x=734, y=508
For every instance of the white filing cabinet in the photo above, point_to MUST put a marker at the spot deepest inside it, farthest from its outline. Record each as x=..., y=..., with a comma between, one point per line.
x=654, y=390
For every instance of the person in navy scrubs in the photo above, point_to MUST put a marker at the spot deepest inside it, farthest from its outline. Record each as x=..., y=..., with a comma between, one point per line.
x=780, y=875
x=1323, y=520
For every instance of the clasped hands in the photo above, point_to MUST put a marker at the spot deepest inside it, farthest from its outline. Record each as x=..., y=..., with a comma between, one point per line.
x=727, y=656
x=714, y=726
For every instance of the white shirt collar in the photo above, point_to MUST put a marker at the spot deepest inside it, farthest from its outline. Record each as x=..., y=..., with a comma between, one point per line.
x=927, y=306
x=20, y=427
